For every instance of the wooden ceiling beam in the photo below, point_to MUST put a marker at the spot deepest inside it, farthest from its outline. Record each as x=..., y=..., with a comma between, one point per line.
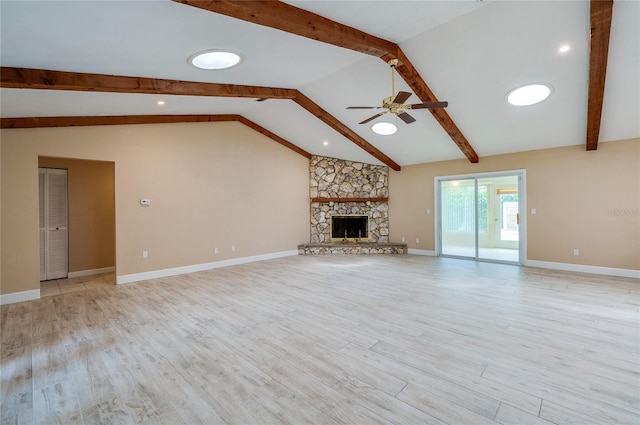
x=274, y=136
x=285, y=17
x=26, y=78
x=338, y=126
x=409, y=74
x=291, y=19
x=85, y=121
x=38, y=122
x=601, y=14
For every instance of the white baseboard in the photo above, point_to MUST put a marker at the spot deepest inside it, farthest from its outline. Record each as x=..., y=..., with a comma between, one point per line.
x=421, y=252
x=18, y=297
x=136, y=277
x=584, y=269
x=92, y=272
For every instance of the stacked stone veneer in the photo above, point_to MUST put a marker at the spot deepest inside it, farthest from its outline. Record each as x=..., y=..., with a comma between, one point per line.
x=315, y=249
x=337, y=178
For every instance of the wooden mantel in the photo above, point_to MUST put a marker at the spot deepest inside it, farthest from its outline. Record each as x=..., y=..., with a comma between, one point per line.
x=349, y=199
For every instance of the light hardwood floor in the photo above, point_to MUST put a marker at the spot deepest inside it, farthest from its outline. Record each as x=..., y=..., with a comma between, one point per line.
x=61, y=286
x=329, y=339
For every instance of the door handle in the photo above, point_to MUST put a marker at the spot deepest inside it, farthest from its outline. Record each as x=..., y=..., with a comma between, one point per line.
x=518, y=218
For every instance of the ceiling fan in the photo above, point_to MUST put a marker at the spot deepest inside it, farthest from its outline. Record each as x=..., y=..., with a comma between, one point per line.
x=395, y=103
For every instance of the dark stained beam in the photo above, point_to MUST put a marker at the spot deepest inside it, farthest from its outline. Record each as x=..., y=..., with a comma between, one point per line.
x=38, y=122
x=23, y=78
x=291, y=19
x=85, y=121
x=338, y=126
x=273, y=136
x=26, y=78
x=601, y=13
x=408, y=73
x=282, y=16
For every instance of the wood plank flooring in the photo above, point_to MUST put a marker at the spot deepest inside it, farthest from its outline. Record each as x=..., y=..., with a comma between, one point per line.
x=396, y=339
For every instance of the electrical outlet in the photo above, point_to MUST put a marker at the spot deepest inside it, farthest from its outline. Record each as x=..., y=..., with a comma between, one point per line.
x=145, y=254
x=576, y=252
x=417, y=240
x=215, y=250
x=428, y=211
x=233, y=248
x=403, y=239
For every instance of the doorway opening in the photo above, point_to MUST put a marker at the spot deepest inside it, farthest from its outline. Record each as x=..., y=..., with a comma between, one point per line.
x=481, y=216
x=89, y=216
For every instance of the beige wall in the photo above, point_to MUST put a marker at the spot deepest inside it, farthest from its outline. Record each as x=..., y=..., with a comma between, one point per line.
x=222, y=184
x=584, y=200
x=91, y=212
x=210, y=184
x=0, y=215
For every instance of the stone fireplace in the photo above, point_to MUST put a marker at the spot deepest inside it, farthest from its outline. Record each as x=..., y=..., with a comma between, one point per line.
x=340, y=188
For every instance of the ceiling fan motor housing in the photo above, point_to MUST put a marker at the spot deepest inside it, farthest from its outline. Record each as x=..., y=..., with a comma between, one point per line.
x=394, y=108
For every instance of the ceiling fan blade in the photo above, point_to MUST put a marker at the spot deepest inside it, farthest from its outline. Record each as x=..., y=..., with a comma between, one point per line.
x=429, y=105
x=402, y=97
x=364, y=107
x=406, y=118
x=373, y=117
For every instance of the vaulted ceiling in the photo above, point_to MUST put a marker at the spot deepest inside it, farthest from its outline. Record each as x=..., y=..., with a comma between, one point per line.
x=109, y=62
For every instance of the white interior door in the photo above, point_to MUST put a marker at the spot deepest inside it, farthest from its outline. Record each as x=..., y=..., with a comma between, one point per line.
x=53, y=224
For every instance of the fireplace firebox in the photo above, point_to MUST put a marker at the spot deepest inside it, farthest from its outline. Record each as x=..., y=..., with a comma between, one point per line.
x=349, y=228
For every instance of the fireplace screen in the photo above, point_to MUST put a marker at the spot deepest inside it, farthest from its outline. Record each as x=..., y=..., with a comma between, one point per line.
x=350, y=228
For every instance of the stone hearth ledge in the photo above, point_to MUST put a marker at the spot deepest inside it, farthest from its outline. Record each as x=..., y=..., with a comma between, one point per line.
x=352, y=248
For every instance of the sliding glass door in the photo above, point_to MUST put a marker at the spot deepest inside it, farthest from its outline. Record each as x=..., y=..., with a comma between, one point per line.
x=479, y=216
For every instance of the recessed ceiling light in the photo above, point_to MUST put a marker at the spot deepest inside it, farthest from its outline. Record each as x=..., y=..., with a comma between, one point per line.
x=384, y=128
x=160, y=102
x=564, y=48
x=325, y=143
x=215, y=59
x=529, y=94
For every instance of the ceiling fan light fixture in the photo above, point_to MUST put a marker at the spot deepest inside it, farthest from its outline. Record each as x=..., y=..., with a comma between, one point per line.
x=529, y=94
x=215, y=60
x=384, y=128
